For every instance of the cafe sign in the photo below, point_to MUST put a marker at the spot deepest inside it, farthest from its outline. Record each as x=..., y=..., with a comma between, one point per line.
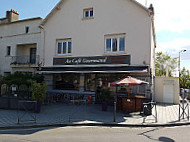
x=123, y=59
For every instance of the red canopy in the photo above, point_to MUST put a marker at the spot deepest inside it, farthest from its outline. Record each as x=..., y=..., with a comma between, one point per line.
x=128, y=81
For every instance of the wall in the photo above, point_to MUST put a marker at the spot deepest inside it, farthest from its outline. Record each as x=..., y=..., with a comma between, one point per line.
x=24, y=50
x=110, y=17
x=13, y=34
x=159, y=88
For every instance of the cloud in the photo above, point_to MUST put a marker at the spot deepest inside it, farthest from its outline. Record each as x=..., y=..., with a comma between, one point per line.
x=172, y=26
x=170, y=15
x=174, y=46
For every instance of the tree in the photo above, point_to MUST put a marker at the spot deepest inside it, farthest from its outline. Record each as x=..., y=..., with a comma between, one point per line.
x=184, y=78
x=19, y=78
x=164, y=64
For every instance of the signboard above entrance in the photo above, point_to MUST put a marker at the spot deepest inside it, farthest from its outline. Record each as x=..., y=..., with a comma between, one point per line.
x=123, y=59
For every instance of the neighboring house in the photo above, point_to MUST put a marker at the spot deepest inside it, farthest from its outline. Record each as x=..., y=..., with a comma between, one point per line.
x=88, y=43
x=19, y=44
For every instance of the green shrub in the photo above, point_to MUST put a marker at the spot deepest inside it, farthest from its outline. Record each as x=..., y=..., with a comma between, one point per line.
x=105, y=95
x=38, y=91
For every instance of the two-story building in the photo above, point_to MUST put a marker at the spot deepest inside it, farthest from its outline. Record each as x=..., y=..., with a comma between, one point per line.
x=88, y=43
x=19, y=44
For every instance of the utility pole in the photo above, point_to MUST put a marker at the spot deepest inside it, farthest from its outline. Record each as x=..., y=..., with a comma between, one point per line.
x=182, y=106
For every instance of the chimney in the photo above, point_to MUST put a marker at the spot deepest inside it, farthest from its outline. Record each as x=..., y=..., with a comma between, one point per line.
x=12, y=15
x=151, y=8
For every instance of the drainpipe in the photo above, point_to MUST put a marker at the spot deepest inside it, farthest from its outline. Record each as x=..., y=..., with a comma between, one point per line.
x=43, y=47
x=151, y=9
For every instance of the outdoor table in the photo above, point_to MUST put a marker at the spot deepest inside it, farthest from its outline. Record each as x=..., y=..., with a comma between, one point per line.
x=66, y=96
x=80, y=101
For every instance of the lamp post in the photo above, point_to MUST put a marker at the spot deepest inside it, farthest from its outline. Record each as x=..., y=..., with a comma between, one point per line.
x=183, y=97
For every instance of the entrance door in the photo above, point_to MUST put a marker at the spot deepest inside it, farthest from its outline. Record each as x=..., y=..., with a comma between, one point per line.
x=168, y=93
x=32, y=55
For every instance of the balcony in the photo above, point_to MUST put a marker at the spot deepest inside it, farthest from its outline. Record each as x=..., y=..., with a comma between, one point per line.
x=25, y=61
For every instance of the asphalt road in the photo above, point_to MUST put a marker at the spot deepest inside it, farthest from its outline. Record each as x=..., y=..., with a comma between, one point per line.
x=97, y=134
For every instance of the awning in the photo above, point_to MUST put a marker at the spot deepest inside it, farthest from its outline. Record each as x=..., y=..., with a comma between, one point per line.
x=104, y=69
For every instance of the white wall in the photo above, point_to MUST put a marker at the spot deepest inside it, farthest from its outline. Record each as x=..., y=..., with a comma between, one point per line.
x=159, y=88
x=110, y=17
x=14, y=34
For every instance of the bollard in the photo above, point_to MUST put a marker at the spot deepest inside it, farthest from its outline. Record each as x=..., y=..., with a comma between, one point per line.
x=114, y=114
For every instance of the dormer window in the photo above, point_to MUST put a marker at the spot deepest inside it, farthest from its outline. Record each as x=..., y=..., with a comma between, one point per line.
x=88, y=13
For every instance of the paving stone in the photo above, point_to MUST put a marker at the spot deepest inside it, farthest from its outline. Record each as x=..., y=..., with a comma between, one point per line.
x=58, y=113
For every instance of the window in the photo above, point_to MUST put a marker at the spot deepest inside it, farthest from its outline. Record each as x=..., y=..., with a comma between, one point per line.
x=8, y=50
x=26, y=29
x=115, y=44
x=66, y=81
x=90, y=82
x=64, y=47
x=88, y=13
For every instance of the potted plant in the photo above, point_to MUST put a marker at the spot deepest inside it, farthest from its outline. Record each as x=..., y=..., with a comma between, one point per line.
x=38, y=94
x=105, y=95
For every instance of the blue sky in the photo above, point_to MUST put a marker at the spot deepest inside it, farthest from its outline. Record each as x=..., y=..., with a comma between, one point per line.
x=27, y=8
x=172, y=27
x=171, y=21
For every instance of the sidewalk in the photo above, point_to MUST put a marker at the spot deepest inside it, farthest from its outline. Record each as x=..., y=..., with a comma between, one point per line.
x=58, y=114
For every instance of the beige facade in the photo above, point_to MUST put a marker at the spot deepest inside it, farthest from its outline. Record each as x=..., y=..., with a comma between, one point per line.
x=167, y=90
x=111, y=17
x=18, y=38
x=78, y=36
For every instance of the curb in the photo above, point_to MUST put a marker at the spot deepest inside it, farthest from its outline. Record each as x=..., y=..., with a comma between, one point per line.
x=93, y=124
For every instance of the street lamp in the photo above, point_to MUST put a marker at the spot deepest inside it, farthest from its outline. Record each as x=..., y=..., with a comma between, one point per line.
x=179, y=64
x=183, y=96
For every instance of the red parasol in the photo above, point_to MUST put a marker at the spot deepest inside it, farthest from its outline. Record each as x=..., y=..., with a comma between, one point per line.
x=128, y=81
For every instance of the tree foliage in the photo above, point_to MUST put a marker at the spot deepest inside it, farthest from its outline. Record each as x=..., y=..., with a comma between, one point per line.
x=38, y=91
x=184, y=78
x=19, y=78
x=163, y=63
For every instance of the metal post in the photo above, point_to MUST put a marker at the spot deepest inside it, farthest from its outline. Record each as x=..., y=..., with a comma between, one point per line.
x=114, y=115
x=183, y=95
x=188, y=109
x=183, y=101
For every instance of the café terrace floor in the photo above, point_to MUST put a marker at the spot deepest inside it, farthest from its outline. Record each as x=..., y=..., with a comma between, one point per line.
x=61, y=113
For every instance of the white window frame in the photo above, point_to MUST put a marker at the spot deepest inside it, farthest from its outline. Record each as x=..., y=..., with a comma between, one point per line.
x=62, y=41
x=88, y=10
x=118, y=43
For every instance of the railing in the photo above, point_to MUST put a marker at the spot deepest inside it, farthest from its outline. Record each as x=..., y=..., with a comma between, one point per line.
x=25, y=60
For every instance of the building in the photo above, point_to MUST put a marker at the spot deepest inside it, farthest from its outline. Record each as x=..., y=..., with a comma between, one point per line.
x=86, y=44
x=19, y=44
x=167, y=90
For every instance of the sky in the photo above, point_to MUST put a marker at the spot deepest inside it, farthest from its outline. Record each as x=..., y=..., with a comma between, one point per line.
x=172, y=26
x=172, y=22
